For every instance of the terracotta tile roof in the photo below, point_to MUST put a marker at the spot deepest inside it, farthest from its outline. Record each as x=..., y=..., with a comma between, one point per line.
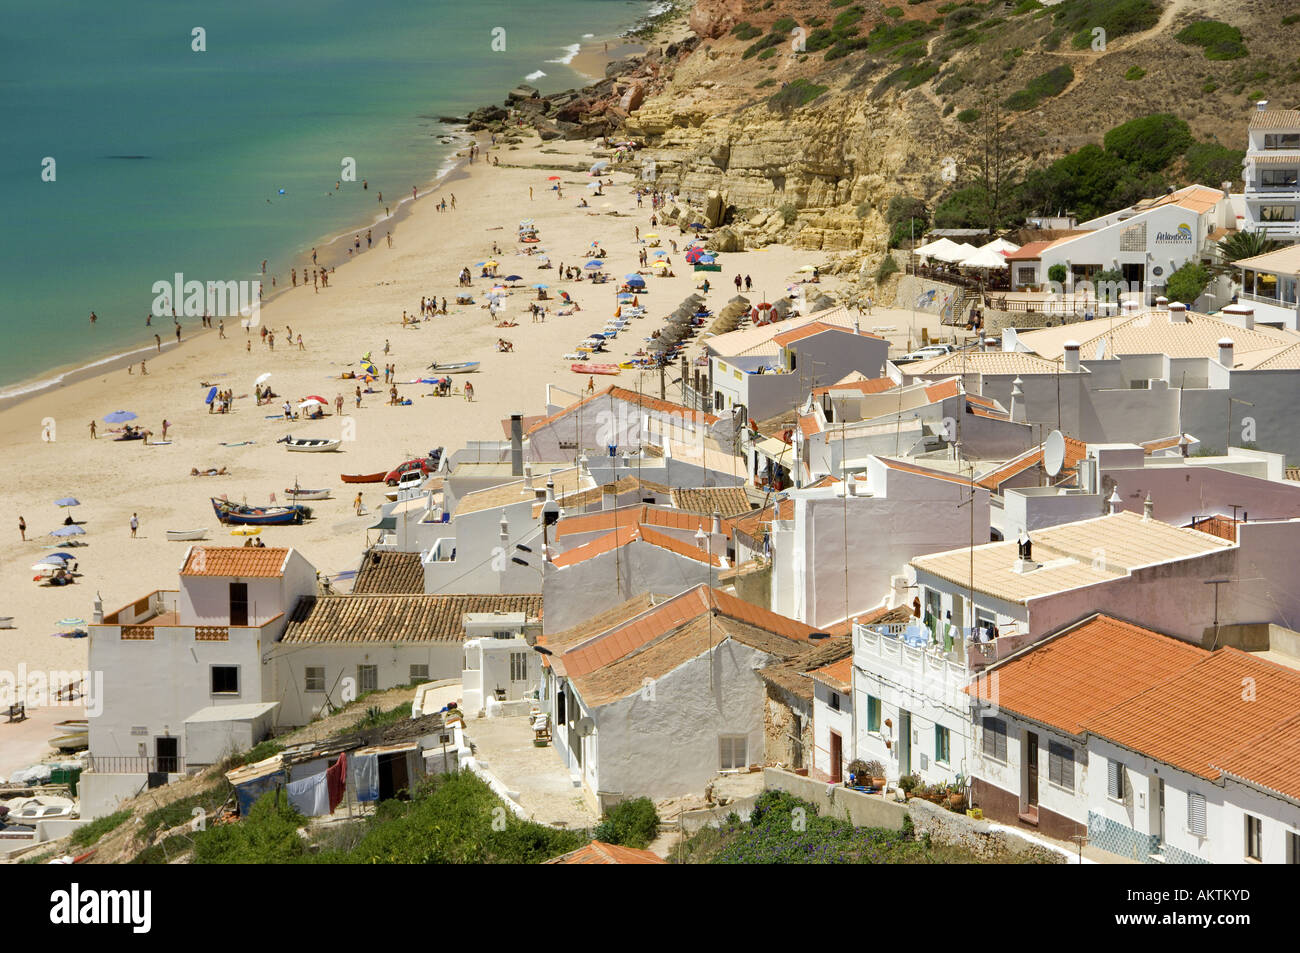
x=613, y=393
x=1285, y=360
x=990, y=363
x=938, y=392
x=838, y=675
x=872, y=385
x=627, y=484
x=620, y=536
x=756, y=522
x=633, y=635
x=1029, y=252
x=1271, y=759
x=678, y=546
x=1075, y=450
x=389, y=572
x=1275, y=119
x=1282, y=261
x=1198, y=718
x=1102, y=660
x=1194, y=198
x=706, y=500
x=787, y=338
x=924, y=471
x=1068, y=556
x=809, y=426
x=250, y=561
x=759, y=340
x=1164, y=443
x=1224, y=527
x=634, y=515
x=598, y=852
x=527, y=423
x=397, y=618
x=793, y=675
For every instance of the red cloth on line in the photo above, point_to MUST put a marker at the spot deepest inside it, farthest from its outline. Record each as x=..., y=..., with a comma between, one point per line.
x=336, y=779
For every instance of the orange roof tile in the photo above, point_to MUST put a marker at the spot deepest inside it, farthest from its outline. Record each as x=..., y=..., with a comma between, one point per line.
x=631, y=516
x=241, y=561
x=1224, y=527
x=680, y=547
x=938, y=392
x=924, y=471
x=1075, y=450
x=838, y=675
x=1201, y=717
x=620, y=536
x=614, y=392
x=787, y=338
x=1103, y=661
x=809, y=426
x=1028, y=252
x=873, y=385
x=1270, y=759
x=598, y=852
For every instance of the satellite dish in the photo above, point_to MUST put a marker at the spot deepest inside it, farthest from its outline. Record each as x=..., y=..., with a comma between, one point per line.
x=1054, y=453
x=585, y=727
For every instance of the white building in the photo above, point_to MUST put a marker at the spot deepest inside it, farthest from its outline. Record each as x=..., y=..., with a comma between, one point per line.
x=172, y=655
x=656, y=701
x=337, y=648
x=502, y=672
x=1269, y=284
x=1154, y=753
x=1272, y=174
x=1146, y=242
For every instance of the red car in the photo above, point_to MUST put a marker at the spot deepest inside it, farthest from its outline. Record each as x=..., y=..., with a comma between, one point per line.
x=422, y=464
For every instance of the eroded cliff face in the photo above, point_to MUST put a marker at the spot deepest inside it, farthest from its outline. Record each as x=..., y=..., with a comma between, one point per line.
x=714, y=18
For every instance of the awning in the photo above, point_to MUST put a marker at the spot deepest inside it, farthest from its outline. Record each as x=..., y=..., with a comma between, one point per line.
x=387, y=522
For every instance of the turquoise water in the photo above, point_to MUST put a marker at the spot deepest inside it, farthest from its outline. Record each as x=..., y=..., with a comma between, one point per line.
x=284, y=91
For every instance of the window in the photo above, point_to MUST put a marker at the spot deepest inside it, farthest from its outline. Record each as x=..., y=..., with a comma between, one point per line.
x=1277, y=213
x=1282, y=140
x=1277, y=177
x=835, y=701
x=1254, y=834
x=419, y=673
x=518, y=666
x=995, y=739
x=1060, y=765
x=873, y=713
x=367, y=678
x=733, y=752
x=1115, y=780
x=559, y=708
x=1292, y=847
x=503, y=634
x=225, y=679
x=314, y=678
x=1133, y=238
x=1196, y=814
x=942, y=745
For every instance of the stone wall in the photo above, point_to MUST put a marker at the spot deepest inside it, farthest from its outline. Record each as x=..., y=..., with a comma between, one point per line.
x=779, y=710
x=835, y=800
x=983, y=840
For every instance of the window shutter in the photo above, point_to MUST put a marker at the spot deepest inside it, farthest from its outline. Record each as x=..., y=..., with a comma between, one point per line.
x=1114, y=779
x=1196, y=813
x=1060, y=765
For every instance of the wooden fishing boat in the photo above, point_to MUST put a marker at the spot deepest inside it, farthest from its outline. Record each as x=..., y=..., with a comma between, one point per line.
x=462, y=367
x=363, y=477
x=310, y=444
x=594, y=368
x=237, y=514
x=302, y=494
x=183, y=535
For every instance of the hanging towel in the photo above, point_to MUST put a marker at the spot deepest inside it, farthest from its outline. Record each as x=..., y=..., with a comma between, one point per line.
x=947, y=637
x=365, y=776
x=310, y=796
x=336, y=779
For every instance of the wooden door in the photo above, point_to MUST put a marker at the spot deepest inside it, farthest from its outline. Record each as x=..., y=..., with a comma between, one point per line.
x=239, y=603
x=1031, y=760
x=837, y=756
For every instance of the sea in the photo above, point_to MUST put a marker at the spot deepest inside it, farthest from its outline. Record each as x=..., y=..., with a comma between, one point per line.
x=149, y=138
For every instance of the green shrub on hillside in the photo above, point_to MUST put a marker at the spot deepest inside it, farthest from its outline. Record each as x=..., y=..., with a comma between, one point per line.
x=1078, y=18
x=1211, y=163
x=968, y=115
x=1044, y=86
x=1219, y=40
x=743, y=31
x=962, y=16
x=766, y=43
x=798, y=92
x=629, y=824
x=887, y=267
x=783, y=25
x=885, y=36
x=895, y=13
x=1134, y=73
x=1149, y=142
x=92, y=832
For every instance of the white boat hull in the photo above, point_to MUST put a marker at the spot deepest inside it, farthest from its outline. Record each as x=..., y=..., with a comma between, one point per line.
x=182, y=535
x=314, y=446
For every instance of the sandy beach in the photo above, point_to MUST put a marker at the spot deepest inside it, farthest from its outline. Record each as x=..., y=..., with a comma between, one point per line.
x=359, y=312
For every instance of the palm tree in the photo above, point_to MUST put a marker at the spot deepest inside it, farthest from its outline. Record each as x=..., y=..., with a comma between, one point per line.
x=1246, y=245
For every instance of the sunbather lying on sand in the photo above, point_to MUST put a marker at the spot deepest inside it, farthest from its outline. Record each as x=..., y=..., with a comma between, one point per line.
x=210, y=471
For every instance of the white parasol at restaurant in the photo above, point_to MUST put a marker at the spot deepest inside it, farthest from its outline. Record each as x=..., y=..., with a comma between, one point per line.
x=984, y=258
x=1002, y=245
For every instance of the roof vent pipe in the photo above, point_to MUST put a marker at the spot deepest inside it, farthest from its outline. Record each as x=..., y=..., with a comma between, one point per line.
x=516, y=445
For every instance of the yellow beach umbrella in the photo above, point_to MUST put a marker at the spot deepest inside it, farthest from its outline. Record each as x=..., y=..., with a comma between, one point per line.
x=659, y=264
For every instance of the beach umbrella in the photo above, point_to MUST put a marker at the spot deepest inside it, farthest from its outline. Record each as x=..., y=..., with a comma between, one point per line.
x=625, y=296
x=370, y=369
x=119, y=417
x=318, y=398
x=308, y=404
x=525, y=222
x=660, y=254
x=47, y=566
x=594, y=265
x=808, y=268
x=541, y=286
x=61, y=557
x=593, y=185
x=68, y=501
x=71, y=622
x=985, y=257
x=652, y=235
x=596, y=167
x=552, y=178
x=263, y=378
x=696, y=225
x=513, y=278
x=693, y=255
x=479, y=264
x=492, y=264
x=212, y=393
x=63, y=531
x=1002, y=245
x=631, y=275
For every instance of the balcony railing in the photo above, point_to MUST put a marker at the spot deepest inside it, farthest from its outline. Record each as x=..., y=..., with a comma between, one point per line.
x=114, y=764
x=1265, y=299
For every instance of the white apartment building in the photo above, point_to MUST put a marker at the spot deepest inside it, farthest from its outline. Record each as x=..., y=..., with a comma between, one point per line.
x=1272, y=174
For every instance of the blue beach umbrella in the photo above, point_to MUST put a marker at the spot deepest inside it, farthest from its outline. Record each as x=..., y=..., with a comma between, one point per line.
x=63, y=531
x=594, y=265
x=541, y=286
x=625, y=297
x=62, y=557
x=68, y=501
x=119, y=417
x=513, y=278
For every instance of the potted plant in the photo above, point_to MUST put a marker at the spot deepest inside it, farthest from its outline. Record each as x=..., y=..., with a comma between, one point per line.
x=876, y=772
x=908, y=783
x=957, y=793
x=859, y=776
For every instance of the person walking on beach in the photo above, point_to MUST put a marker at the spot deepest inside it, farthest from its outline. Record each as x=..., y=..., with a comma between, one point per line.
x=178, y=334
x=530, y=193
x=166, y=424
x=93, y=434
x=144, y=369
x=358, y=396
x=386, y=345
x=469, y=391
x=158, y=341
x=22, y=528
x=356, y=504
x=93, y=317
x=453, y=201
x=338, y=404
x=300, y=344
x=415, y=193
x=368, y=233
x=221, y=328
x=591, y=385
x=135, y=524
x=313, y=256
x=389, y=236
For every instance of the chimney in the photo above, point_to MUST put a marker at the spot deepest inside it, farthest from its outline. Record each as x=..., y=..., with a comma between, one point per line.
x=1242, y=314
x=1018, y=398
x=550, y=491
x=1177, y=312
x=1115, y=502
x=516, y=445
x=1162, y=303
x=1147, y=509
x=1225, y=352
x=1072, y=357
x=1130, y=306
x=1088, y=475
x=528, y=476
x=505, y=530
x=716, y=528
